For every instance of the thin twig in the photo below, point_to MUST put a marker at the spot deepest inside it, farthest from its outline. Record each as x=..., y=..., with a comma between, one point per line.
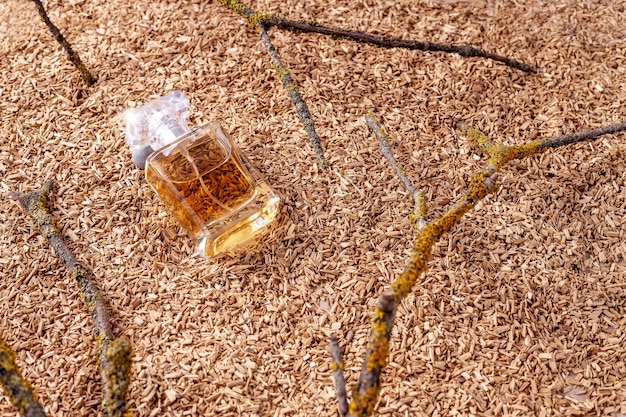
x=113, y=353
x=385, y=42
x=262, y=22
x=294, y=95
x=481, y=184
x=418, y=218
x=385, y=149
x=579, y=137
x=338, y=376
x=18, y=389
x=74, y=58
x=500, y=154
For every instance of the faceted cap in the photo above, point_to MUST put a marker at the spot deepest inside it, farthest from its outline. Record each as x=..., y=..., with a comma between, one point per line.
x=148, y=125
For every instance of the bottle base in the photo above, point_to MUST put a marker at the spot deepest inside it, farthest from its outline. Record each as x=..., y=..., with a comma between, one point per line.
x=248, y=222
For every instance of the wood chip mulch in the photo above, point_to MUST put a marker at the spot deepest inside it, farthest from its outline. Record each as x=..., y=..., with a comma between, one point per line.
x=522, y=311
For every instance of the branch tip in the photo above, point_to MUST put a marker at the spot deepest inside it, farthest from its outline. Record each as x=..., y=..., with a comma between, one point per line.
x=385, y=42
x=72, y=55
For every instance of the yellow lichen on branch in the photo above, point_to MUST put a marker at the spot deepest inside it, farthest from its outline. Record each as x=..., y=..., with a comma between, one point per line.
x=365, y=395
x=113, y=354
x=379, y=343
x=402, y=285
x=18, y=390
x=294, y=96
x=119, y=355
x=500, y=154
x=481, y=184
x=37, y=209
x=421, y=206
x=363, y=403
x=262, y=22
x=252, y=16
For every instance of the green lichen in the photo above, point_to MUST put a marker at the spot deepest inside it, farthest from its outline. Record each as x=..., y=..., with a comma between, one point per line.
x=286, y=78
x=89, y=289
x=102, y=345
x=35, y=204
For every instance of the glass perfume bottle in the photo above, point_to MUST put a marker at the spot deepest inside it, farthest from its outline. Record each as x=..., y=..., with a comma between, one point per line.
x=200, y=175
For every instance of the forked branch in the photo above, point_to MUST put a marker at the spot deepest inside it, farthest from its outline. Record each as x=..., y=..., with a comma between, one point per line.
x=264, y=21
x=254, y=17
x=113, y=353
x=481, y=184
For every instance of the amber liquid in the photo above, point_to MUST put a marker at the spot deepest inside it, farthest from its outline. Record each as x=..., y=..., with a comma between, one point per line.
x=212, y=195
x=221, y=191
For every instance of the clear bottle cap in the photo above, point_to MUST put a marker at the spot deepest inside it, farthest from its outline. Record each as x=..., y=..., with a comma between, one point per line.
x=156, y=124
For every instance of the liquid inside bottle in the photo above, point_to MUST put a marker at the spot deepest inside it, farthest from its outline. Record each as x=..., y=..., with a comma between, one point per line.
x=212, y=190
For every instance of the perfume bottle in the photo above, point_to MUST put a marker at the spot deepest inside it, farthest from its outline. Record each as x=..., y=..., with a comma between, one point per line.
x=200, y=175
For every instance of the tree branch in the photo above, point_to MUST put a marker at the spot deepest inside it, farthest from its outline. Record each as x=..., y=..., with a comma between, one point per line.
x=418, y=217
x=583, y=136
x=294, y=95
x=262, y=22
x=338, y=376
x=73, y=56
x=385, y=42
x=481, y=184
x=113, y=353
x=500, y=154
x=365, y=396
x=17, y=388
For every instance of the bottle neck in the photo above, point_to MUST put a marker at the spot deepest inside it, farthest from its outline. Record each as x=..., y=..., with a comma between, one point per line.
x=168, y=131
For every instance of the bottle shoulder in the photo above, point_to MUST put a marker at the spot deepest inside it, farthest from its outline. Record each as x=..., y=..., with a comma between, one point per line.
x=197, y=153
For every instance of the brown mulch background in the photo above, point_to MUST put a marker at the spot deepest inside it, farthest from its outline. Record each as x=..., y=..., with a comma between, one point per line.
x=522, y=309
